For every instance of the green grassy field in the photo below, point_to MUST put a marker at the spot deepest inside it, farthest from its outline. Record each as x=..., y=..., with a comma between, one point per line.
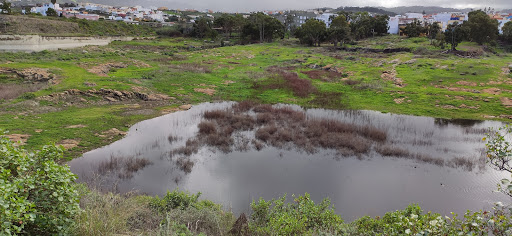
x=424, y=82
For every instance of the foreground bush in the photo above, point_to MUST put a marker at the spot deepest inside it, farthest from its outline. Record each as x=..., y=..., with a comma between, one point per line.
x=37, y=196
x=275, y=217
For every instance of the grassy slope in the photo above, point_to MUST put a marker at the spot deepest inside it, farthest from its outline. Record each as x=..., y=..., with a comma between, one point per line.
x=177, y=67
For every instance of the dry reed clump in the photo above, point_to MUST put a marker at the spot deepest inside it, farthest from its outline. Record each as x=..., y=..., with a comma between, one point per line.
x=387, y=150
x=460, y=162
x=207, y=128
x=124, y=167
x=172, y=138
x=288, y=80
x=324, y=75
x=11, y=91
x=351, y=82
x=244, y=106
x=185, y=164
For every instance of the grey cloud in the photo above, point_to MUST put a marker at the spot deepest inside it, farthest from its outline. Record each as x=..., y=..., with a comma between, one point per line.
x=255, y=5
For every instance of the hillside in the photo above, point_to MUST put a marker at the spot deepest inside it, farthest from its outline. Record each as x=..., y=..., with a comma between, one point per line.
x=12, y=24
x=28, y=25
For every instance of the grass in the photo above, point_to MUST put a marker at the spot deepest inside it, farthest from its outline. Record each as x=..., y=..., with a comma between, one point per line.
x=436, y=84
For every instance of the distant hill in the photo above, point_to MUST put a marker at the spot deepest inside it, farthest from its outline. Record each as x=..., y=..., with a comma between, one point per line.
x=506, y=11
x=420, y=9
x=367, y=9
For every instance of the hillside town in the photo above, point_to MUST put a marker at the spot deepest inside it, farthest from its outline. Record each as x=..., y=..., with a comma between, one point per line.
x=162, y=16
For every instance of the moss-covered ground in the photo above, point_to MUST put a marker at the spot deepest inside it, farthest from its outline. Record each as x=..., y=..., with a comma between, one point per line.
x=425, y=81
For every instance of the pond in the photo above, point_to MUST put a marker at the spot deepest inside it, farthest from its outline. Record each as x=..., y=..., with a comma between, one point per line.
x=436, y=163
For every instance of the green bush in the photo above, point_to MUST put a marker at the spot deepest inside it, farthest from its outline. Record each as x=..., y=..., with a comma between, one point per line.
x=182, y=201
x=28, y=96
x=275, y=217
x=37, y=196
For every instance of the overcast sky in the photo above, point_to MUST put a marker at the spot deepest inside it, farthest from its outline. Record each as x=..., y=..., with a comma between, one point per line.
x=253, y=5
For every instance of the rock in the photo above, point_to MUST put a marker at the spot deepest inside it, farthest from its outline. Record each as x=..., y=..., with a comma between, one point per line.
x=111, y=99
x=412, y=61
x=327, y=67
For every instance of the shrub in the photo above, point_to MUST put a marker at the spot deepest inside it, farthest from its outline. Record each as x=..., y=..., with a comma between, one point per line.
x=38, y=196
x=181, y=200
x=274, y=217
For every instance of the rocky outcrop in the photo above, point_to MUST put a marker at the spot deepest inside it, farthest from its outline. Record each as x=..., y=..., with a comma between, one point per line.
x=109, y=95
x=31, y=75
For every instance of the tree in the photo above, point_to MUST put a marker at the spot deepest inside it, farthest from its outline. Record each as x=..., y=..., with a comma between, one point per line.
x=454, y=35
x=6, y=7
x=227, y=22
x=432, y=31
x=339, y=30
x=507, y=31
x=440, y=40
x=203, y=28
x=380, y=24
x=51, y=12
x=361, y=25
x=288, y=23
x=413, y=29
x=312, y=32
x=263, y=28
x=482, y=29
x=499, y=154
x=37, y=194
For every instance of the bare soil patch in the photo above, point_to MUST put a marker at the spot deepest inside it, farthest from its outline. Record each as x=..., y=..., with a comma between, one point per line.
x=69, y=143
x=208, y=91
x=507, y=102
x=18, y=139
x=104, y=69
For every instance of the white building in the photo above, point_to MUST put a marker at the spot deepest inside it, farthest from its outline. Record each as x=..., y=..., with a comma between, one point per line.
x=393, y=24
x=42, y=10
x=325, y=18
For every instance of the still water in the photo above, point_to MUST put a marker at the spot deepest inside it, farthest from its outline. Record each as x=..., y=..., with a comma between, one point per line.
x=369, y=184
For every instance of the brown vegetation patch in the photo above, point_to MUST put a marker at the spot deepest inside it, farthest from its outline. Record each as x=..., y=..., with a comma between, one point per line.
x=69, y=143
x=279, y=127
x=191, y=67
x=104, y=69
x=18, y=139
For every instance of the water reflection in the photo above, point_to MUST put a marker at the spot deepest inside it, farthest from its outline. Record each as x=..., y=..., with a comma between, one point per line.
x=369, y=184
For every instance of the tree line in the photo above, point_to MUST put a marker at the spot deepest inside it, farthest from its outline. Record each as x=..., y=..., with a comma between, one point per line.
x=479, y=28
x=259, y=27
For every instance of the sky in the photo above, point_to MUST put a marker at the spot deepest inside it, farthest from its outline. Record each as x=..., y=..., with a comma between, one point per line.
x=254, y=5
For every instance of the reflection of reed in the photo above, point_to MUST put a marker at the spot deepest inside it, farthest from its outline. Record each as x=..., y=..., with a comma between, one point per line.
x=124, y=167
x=456, y=162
